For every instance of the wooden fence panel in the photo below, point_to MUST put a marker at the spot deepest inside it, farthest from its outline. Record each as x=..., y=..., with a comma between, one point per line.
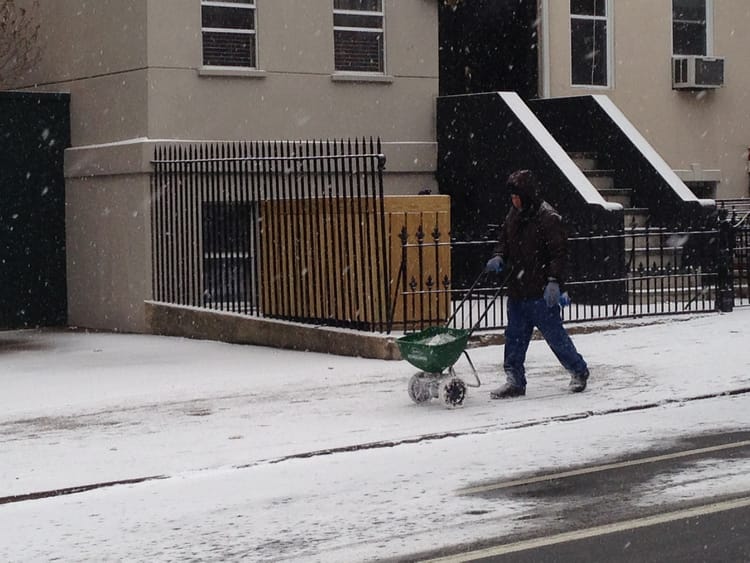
x=420, y=258
x=344, y=231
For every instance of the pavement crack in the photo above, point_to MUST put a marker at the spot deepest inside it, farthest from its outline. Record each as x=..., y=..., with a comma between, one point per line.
x=385, y=444
x=75, y=490
x=485, y=430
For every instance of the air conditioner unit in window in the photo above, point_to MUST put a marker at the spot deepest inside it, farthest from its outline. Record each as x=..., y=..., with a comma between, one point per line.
x=697, y=73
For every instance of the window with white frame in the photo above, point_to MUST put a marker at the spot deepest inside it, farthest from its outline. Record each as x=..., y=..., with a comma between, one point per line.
x=228, y=28
x=689, y=27
x=358, y=36
x=589, y=42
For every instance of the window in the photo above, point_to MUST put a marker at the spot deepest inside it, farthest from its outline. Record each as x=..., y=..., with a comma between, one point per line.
x=228, y=28
x=689, y=29
x=589, y=50
x=229, y=268
x=358, y=36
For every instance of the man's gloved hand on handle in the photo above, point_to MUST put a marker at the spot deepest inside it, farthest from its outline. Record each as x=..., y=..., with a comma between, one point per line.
x=494, y=264
x=552, y=292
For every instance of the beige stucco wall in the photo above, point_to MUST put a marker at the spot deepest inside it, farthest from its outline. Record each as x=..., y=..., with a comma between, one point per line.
x=708, y=128
x=96, y=51
x=109, y=251
x=134, y=70
x=294, y=95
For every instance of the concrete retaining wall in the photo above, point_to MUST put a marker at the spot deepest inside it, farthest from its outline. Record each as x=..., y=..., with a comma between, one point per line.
x=192, y=322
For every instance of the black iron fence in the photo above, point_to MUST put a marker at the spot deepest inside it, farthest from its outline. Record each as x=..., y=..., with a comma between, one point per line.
x=738, y=225
x=299, y=231
x=289, y=230
x=637, y=272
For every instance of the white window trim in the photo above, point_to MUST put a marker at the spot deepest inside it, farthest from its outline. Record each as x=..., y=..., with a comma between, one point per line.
x=249, y=4
x=359, y=29
x=228, y=30
x=380, y=13
x=545, y=51
x=709, y=29
x=212, y=70
x=609, y=7
x=361, y=76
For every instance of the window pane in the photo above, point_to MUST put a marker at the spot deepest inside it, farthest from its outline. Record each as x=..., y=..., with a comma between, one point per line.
x=346, y=20
x=358, y=51
x=229, y=18
x=689, y=27
x=588, y=7
x=589, y=52
x=688, y=39
x=229, y=49
x=693, y=10
x=367, y=5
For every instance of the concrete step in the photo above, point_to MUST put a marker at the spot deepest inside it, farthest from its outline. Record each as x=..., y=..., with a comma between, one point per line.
x=642, y=237
x=673, y=285
x=659, y=298
x=584, y=160
x=661, y=257
x=623, y=196
x=652, y=241
x=635, y=216
x=737, y=205
x=601, y=179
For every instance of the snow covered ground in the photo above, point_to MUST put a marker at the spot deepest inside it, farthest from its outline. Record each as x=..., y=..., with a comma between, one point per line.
x=266, y=455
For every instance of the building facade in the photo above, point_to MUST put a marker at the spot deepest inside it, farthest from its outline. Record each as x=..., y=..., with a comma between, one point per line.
x=143, y=71
x=625, y=49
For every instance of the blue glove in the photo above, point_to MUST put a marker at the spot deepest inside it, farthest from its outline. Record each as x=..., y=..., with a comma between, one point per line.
x=494, y=264
x=565, y=299
x=552, y=293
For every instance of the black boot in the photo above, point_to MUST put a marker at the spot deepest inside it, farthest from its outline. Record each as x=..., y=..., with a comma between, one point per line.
x=508, y=390
x=578, y=382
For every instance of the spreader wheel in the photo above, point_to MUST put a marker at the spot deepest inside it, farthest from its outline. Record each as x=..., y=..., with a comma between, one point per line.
x=419, y=388
x=452, y=391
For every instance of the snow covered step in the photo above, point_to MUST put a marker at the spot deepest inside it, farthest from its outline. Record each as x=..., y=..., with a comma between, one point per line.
x=584, y=160
x=601, y=179
x=623, y=196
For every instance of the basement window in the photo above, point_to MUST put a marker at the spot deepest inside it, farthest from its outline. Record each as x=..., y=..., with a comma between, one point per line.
x=358, y=36
x=229, y=246
x=228, y=29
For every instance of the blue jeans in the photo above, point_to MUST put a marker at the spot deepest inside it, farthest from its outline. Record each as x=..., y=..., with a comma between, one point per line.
x=523, y=316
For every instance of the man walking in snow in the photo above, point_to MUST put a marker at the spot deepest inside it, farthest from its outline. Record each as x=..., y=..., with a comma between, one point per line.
x=533, y=243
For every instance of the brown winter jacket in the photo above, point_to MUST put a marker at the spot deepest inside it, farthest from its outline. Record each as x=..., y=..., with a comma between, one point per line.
x=535, y=247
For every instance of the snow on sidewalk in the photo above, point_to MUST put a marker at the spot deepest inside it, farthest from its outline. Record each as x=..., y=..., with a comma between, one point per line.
x=88, y=408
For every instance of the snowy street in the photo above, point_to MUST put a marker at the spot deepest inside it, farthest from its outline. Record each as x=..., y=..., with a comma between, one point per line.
x=256, y=454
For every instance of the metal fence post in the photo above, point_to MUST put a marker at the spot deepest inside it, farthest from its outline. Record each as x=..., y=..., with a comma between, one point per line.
x=725, y=283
